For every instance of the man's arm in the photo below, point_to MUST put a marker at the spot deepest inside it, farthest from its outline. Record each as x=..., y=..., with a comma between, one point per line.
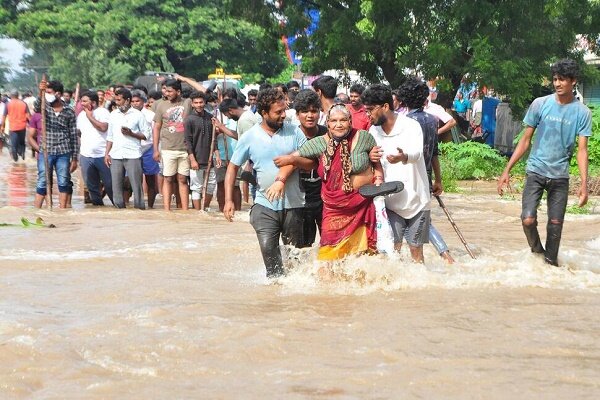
x=107, y=159
x=520, y=150
x=156, y=139
x=223, y=129
x=437, y=171
x=229, y=207
x=74, y=138
x=447, y=126
x=101, y=126
x=196, y=85
x=582, y=164
x=32, y=138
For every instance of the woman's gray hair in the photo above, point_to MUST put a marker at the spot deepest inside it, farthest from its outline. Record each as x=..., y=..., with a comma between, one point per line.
x=342, y=108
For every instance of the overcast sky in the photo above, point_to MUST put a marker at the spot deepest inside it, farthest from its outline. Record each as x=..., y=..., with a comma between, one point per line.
x=11, y=51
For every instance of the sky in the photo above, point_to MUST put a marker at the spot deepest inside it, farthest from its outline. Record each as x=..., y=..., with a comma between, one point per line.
x=11, y=51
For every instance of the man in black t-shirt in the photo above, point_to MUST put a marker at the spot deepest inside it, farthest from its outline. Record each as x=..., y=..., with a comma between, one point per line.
x=308, y=107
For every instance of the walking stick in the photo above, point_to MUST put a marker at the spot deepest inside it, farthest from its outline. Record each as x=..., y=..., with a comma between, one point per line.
x=47, y=172
x=77, y=88
x=460, y=236
x=210, y=157
x=221, y=115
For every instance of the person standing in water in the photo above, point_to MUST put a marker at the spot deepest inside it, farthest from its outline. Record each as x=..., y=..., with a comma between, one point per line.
x=557, y=120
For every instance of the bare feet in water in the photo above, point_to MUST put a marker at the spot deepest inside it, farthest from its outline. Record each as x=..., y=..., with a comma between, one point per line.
x=447, y=257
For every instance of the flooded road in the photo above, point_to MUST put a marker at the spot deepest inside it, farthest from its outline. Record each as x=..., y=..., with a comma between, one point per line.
x=127, y=304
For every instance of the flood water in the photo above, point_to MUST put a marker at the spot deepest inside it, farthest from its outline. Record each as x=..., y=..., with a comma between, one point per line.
x=127, y=304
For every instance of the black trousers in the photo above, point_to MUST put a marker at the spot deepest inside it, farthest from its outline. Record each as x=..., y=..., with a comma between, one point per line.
x=558, y=194
x=269, y=226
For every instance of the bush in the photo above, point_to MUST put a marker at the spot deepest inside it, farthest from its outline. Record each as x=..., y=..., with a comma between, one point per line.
x=470, y=160
x=593, y=147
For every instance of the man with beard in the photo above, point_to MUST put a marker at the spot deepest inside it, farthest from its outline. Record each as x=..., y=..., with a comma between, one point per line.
x=127, y=128
x=92, y=124
x=413, y=94
x=401, y=150
x=168, y=132
x=262, y=143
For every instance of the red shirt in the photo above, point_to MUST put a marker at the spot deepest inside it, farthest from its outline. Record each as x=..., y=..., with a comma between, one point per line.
x=360, y=119
x=17, y=113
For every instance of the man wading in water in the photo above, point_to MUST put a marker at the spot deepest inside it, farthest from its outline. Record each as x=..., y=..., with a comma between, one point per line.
x=261, y=144
x=557, y=120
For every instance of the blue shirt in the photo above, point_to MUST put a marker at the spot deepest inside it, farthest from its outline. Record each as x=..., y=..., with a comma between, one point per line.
x=258, y=146
x=557, y=126
x=488, y=118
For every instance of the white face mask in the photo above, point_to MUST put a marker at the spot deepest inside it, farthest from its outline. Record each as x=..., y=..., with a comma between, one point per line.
x=50, y=98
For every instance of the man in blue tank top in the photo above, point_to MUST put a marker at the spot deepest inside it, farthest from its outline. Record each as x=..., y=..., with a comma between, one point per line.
x=558, y=121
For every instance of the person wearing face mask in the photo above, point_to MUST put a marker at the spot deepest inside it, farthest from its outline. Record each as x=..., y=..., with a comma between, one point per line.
x=62, y=142
x=127, y=127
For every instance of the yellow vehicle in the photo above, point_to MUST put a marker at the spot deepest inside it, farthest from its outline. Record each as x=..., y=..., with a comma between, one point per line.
x=227, y=80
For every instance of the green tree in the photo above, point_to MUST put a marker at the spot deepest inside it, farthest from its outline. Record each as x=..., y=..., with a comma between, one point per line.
x=504, y=44
x=109, y=40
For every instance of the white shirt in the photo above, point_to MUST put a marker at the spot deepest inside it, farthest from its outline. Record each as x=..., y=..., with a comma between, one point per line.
x=477, y=106
x=408, y=136
x=126, y=146
x=437, y=111
x=247, y=120
x=93, y=141
x=149, y=115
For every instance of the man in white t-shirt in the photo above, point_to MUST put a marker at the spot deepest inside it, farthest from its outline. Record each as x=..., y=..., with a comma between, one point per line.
x=150, y=166
x=400, y=145
x=92, y=124
x=438, y=111
x=127, y=128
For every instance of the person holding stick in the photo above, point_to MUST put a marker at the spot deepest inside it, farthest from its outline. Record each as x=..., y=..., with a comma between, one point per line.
x=558, y=121
x=61, y=150
x=199, y=143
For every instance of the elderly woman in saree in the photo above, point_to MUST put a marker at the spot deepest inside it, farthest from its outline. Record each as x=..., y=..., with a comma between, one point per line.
x=349, y=224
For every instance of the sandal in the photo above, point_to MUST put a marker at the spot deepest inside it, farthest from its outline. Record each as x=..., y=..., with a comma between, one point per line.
x=247, y=176
x=381, y=190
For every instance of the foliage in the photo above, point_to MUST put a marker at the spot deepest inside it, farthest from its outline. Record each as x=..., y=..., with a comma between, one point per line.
x=471, y=160
x=4, y=72
x=96, y=42
x=575, y=209
x=593, y=147
x=504, y=44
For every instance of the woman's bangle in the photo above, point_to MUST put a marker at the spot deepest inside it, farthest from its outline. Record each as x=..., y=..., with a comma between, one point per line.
x=280, y=179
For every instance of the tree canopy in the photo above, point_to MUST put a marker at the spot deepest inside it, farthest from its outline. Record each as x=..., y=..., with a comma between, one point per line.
x=505, y=44
x=103, y=41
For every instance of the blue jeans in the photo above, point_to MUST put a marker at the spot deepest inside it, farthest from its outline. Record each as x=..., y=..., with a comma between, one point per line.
x=558, y=194
x=59, y=163
x=94, y=173
x=436, y=239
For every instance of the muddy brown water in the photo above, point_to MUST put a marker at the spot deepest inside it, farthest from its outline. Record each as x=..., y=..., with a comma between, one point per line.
x=127, y=304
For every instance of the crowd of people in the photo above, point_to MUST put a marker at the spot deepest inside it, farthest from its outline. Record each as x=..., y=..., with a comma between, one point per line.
x=311, y=159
